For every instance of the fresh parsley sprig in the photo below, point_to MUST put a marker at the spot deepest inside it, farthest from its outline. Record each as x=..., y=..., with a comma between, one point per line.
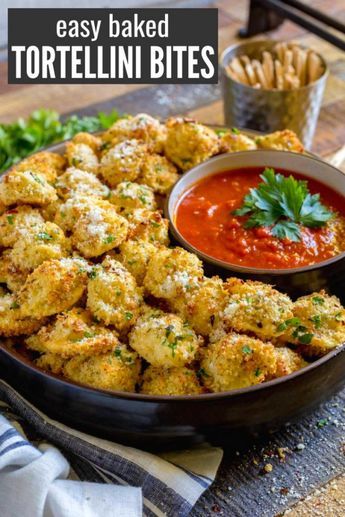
x=285, y=204
x=42, y=128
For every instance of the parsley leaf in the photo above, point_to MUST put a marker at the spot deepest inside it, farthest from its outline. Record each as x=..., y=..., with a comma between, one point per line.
x=284, y=203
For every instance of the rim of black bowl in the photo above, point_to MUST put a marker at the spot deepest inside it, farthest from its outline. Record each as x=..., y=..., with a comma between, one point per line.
x=27, y=363
x=234, y=267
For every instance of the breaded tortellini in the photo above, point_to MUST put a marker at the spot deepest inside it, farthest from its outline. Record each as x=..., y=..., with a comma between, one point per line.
x=203, y=306
x=32, y=248
x=117, y=369
x=12, y=321
x=49, y=164
x=54, y=286
x=73, y=333
x=16, y=221
x=93, y=141
x=141, y=127
x=232, y=141
x=237, y=361
x=172, y=272
x=78, y=182
x=11, y=275
x=82, y=156
x=95, y=225
x=317, y=325
x=170, y=381
x=145, y=225
x=285, y=140
x=52, y=363
x=113, y=295
x=158, y=173
x=189, y=143
x=123, y=162
x=288, y=361
x=164, y=339
x=256, y=307
x=26, y=188
x=130, y=195
x=135, y=256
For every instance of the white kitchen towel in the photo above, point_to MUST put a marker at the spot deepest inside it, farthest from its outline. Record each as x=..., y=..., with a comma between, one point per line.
x=100, y=478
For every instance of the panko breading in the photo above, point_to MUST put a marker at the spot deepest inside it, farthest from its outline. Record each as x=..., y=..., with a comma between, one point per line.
x=113, y=295
x=76, y=182
x=135, y=256
x=256, y=307
x=129, y=195
x=288, y=361
x=189, y=143
x=203, y=306
x=317, y=325
x=158, y=173
x=51, y=363
x=123, y=162
x=285, y=140
x=148, y=226
x=232, y=141
x=26, y=188
x=73, y=333
x=11, y=275
x=116, y=370
x=170, y=381
x=99, y=229
x=49, y=164
x=237, y=361
x=172, y=273
x=141, y=127
x=164, y=339
x=82, y=156
x=31, y=249
x=16, y=221
x=55, y=286
x=12, y=321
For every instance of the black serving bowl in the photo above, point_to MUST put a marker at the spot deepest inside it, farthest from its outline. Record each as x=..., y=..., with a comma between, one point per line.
x=164, y=422
x=329, y=274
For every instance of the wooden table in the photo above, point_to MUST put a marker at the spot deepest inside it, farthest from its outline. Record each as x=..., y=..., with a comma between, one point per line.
x=303, y=457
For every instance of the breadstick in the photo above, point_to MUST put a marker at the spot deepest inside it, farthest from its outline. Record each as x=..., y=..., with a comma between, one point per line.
x=287, y=60
x=250, y=74
x=245, y=60
x=279, y=75
x=260, y=73
x=232, y=74
x=237, y=67
x=301, y=67
x=315, y=68
x=268, y=67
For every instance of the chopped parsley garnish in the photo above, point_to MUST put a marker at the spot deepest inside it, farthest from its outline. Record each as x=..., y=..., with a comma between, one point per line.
x=235, y=131
x=322, y=422
x=317, y=321
x=154, y=224
x=36, y=178
x=168, y=330
x=92, y=274
x=284, y=204
x=44, y=236
x=257, y=372
x=76, y=162
x=128, y=316
x=118, y=352
x=318, y=300
x=292, y=322
x=246, y=349
x=89, y=334
x=109, y=239
x=339, y=316
x=202, y=373
x=14, y=305
x=10, y=219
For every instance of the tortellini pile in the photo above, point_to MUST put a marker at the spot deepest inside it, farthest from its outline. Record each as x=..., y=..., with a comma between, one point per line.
x=95, y=292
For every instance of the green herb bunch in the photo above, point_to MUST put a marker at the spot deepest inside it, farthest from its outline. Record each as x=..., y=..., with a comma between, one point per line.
x=42, y=128
x=285, y=204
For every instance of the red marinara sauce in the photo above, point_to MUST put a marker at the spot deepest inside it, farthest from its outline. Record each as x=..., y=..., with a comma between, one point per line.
x=204, y=218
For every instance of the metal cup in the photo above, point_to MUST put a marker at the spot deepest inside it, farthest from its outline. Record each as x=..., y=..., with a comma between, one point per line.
x=270, y=110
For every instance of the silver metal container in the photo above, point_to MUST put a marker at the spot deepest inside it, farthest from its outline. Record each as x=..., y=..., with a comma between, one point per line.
x=270, y=110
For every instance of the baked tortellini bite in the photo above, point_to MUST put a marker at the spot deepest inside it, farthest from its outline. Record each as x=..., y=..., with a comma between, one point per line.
x=164, y=339
x=113, y=295
x=170, y=381
x=123, y=162
x=171, y=273
x=189, y=143
x=317, y=325
x=142, y=127
x=93, y=289
x=53, y=287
